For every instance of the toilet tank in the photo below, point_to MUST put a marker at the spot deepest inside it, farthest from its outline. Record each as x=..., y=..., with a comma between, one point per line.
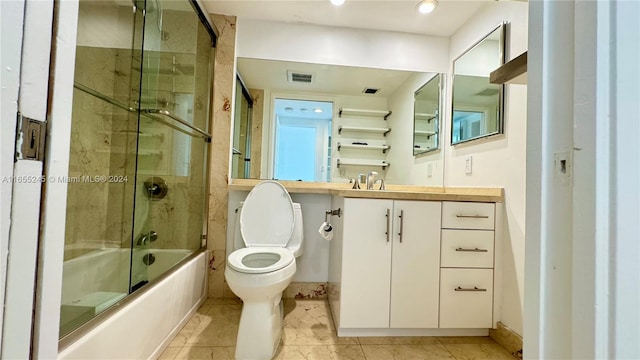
x=295, y=242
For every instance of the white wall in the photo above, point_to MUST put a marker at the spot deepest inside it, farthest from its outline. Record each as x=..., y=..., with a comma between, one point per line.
x=406, y=169
x=341, y=46
x=498, y=161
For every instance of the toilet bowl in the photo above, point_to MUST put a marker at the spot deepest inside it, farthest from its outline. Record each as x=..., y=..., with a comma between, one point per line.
x=268, y=238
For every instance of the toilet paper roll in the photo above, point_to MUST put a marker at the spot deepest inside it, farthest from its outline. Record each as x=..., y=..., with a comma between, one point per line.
x=326, y=231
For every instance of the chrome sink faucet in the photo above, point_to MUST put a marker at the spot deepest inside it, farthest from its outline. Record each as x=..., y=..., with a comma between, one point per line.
x=371, y=179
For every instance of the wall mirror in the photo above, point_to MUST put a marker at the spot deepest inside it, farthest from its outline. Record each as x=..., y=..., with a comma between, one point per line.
x=426, y=115
x=477, y=104
x=351, y=101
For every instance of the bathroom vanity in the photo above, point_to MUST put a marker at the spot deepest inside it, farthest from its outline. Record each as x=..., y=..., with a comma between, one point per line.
x=414, y=264
x=410, y=260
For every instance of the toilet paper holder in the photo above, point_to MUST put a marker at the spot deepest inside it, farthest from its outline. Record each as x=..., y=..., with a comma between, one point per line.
x=329, y=213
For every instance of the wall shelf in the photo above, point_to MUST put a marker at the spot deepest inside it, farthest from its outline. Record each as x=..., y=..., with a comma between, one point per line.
x=384, y=148
x=425, y=117
x=428, y=134
x=513, y=72
x=362, y=162
x=383, y=131
x=364, y=112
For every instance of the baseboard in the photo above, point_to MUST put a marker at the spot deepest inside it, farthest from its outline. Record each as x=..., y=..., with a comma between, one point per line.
x=305, y=290
x=508, y=339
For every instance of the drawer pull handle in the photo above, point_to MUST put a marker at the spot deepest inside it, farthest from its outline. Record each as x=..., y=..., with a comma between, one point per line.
x=472, y=216
x=472, y=250
x=475, y=288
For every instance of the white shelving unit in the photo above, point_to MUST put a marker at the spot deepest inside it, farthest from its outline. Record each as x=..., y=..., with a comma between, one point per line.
x=362, y=138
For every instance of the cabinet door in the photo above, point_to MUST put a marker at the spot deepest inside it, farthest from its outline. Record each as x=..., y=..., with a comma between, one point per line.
x=415, y=264
x=366, y=263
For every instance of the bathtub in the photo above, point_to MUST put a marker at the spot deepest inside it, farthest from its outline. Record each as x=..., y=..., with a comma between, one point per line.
x=142, y=324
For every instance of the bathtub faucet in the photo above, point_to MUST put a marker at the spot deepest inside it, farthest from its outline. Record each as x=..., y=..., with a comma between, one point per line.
x=147, y=238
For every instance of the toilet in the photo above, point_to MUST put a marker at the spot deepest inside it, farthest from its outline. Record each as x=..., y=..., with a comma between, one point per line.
x=268, y=238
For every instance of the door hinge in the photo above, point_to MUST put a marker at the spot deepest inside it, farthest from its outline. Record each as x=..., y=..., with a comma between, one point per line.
x=30, y=139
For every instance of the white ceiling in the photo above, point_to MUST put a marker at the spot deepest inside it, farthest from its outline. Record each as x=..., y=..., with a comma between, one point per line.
x=390, y=15
x=328, y=79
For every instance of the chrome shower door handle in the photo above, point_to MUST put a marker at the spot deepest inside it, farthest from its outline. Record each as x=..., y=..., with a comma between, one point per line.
x=388, y=215
x=401, y=224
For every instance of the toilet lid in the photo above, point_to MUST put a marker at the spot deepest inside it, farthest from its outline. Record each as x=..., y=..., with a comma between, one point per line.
x=267, y=216
x=259, y=260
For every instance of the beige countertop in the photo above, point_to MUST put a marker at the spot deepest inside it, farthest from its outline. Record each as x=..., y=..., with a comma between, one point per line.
x=396, y=192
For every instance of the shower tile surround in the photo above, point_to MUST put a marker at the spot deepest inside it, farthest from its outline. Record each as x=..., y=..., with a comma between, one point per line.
x=224, y=78
x=309, y=334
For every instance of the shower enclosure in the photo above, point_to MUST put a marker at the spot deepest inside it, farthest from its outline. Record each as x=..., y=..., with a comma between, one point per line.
x=136, y=201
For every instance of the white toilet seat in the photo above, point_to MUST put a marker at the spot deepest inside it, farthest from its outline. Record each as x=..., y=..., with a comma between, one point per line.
x=259, y=260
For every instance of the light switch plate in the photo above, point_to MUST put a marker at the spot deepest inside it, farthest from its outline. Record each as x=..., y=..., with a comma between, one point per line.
x=468, y=162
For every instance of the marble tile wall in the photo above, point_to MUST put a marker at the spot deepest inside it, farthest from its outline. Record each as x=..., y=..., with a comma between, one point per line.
x=90, y=153
x=256, y=132
x=224, y=78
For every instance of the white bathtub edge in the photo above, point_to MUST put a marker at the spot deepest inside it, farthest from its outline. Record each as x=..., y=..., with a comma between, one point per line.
x=167, y=341
x=131, y=332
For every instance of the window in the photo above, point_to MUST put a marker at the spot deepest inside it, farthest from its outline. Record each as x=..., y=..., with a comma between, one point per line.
x=302, y=140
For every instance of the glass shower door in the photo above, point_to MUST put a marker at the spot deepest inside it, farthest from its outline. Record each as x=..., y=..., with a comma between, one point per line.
x=137, y=165
x=102, y=161
x=173, y=139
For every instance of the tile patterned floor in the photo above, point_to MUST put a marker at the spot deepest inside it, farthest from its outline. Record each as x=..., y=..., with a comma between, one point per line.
x=309, y=334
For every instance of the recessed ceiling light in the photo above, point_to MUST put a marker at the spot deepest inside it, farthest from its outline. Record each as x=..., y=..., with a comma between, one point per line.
x=288, y=109
x=337, y=2
x=304, y=109
x=317, y=110
x=427, y=6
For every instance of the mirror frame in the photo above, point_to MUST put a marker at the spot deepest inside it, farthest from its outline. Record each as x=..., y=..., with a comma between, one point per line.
x=438, y=118
x=502, y=57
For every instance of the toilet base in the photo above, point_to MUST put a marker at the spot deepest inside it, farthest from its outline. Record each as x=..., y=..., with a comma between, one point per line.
x=259, y=335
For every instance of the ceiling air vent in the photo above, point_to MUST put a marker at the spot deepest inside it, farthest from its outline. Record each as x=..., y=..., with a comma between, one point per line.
x=298, y=77
x=371, y=91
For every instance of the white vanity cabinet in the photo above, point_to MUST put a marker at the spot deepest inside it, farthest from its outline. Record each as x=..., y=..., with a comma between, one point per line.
x=387, y=270
x=467, y=265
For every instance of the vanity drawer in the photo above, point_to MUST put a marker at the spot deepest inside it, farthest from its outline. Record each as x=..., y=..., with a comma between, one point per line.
x=466, y=298
x=467, y=248
x=468, y=215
